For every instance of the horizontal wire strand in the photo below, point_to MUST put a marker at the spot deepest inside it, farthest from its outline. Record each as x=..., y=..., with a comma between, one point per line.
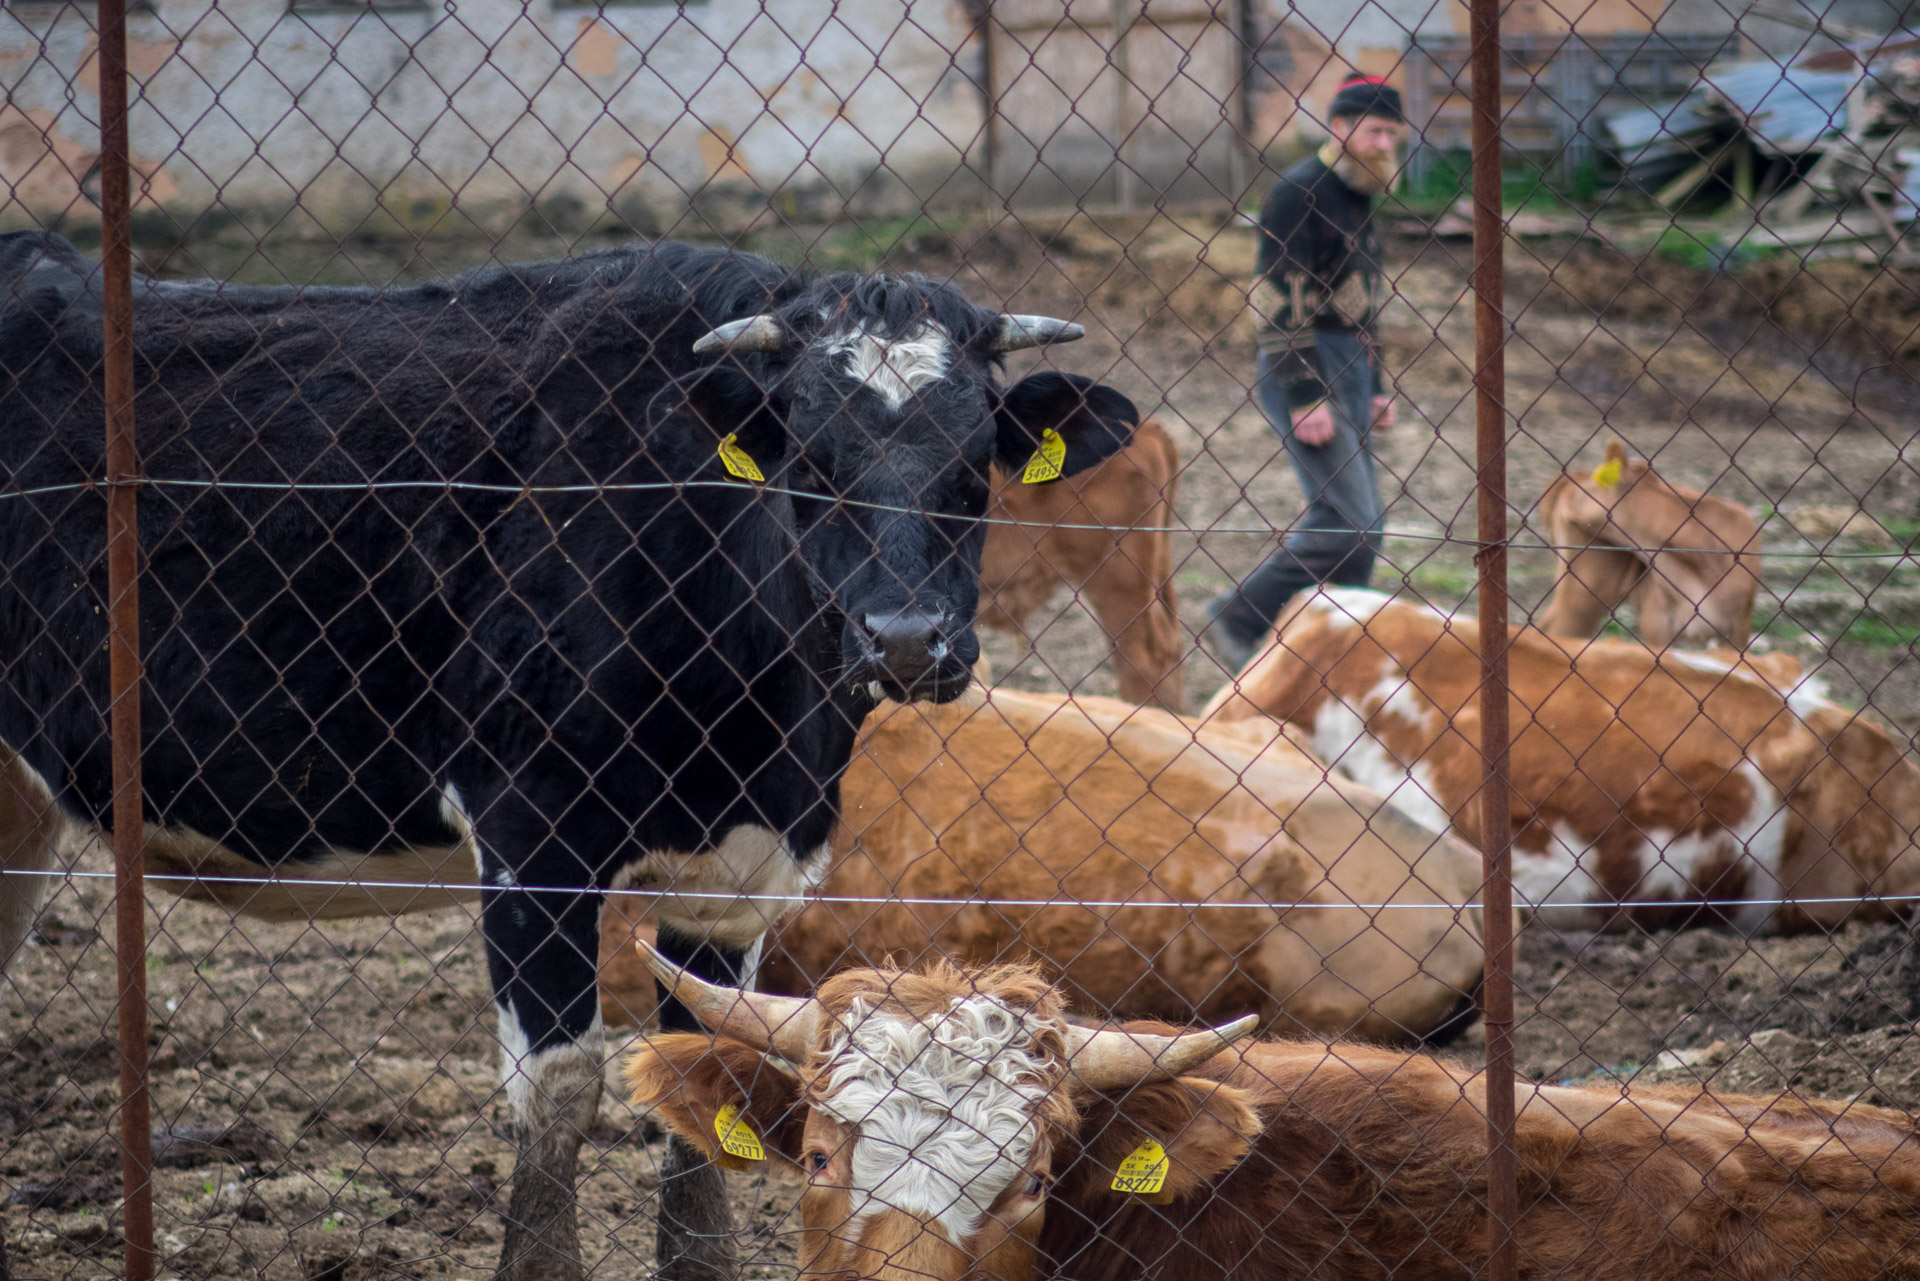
x=166, y=882
x=1197, y=531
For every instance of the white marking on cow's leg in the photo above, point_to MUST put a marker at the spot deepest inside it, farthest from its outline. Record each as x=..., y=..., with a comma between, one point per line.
x=553, y=1095
x=31, y=825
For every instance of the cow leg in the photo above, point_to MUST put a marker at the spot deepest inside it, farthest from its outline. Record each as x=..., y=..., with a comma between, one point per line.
x=695, y=1239
x=543, y=954
x=1590, y=585
x=30, y=826
x=1134, y=603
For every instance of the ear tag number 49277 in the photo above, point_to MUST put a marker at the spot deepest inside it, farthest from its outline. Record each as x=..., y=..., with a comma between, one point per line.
x=739, y=462
x=1143, y=1172
x=1047, y=460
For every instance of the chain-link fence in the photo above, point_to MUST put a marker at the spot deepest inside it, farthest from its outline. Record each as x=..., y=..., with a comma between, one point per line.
x=728, y=637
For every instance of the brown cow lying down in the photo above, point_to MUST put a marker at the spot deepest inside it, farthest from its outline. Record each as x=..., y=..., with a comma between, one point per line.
x=1126, y=579
x=1034, y=797
x=1688, y=561
x=1637, y=777
x=954, y=1123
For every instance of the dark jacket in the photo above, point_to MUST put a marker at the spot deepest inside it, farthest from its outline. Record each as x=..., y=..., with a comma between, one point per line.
x=1320, y=252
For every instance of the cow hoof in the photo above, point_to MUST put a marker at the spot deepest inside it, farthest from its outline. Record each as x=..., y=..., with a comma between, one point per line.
x=695, y=1237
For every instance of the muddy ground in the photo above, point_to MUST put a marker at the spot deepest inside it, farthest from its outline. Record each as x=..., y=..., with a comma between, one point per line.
x=326, y=1098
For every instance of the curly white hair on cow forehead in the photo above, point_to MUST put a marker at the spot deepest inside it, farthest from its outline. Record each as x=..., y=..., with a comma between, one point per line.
x=942, y=1105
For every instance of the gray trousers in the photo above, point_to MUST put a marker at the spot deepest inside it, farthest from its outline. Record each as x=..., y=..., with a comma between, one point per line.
x=1337, y=538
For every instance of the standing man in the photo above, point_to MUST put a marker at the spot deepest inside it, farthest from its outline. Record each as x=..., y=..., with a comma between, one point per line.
x=1318, y=293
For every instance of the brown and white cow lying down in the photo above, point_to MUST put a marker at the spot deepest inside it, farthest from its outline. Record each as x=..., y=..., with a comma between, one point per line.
x=1029, y=798
x=1126, y=579
x=954, y=1123
x=1638, y=777
x=1689, y=562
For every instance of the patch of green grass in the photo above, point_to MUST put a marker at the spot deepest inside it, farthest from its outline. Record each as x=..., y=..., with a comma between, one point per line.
x=1445, y=584
x=1682, y=247
x=1905, y=529
x=859, y=246
x=1876, y=632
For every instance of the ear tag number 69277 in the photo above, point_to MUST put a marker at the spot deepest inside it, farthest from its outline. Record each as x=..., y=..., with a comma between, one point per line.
x=739, y=1145
x=1047, y=460
x=1143, y=1172
x=738, y=462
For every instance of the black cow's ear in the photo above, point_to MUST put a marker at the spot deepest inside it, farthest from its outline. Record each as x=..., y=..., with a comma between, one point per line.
x=728, y=403
x=1053, y=424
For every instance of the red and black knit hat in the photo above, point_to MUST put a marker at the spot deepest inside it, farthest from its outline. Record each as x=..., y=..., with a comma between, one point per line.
x=1363, y=95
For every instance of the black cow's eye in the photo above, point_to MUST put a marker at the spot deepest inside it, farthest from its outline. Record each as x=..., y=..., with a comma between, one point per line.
x=816, y=1161
x=804, y=477
x=1035, y=1185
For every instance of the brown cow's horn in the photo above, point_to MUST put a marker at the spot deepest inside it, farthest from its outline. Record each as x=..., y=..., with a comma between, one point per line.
x=783, y=1025
x=1017, y=333
x=755, y=333
x=1110, y=1059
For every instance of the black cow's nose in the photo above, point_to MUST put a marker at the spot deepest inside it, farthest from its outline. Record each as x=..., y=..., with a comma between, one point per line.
x=906, y=642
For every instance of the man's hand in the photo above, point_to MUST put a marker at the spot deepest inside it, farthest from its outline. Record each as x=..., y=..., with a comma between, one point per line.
x=1315, y=426
x=1383, y=412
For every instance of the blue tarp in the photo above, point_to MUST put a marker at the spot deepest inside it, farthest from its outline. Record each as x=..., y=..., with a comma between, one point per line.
x=1784, y=110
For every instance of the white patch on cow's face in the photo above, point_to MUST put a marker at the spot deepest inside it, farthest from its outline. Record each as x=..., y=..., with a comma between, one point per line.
x=1554, y=883
x=735, y=892
x=1341, y=738
x=942, y=1109
x=892, y=368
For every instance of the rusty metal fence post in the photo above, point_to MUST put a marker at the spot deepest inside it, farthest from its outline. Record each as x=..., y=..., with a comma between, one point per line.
x=1489, y=380
x=123, y=567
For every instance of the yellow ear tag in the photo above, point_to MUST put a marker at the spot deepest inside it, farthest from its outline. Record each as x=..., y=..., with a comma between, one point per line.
x=1144, y=1171
x=1047, y=460
x=1607, y=474
x=737, y=1138
x=739, y=463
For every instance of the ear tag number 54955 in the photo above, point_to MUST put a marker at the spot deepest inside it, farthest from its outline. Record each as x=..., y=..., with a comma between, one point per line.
x=1047, y=460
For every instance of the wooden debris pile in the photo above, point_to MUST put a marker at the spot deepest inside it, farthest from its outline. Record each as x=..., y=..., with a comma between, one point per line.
x=1821, y=153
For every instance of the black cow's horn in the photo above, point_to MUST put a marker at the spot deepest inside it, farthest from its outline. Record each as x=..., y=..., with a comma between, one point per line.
x=1111, y=1059
x=755, y=333
x=1017, y=333
x=783, y=1025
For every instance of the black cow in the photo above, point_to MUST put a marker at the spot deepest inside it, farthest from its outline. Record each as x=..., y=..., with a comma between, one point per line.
x=455, y=576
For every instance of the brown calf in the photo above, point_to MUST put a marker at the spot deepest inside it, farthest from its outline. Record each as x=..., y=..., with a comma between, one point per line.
x=1126, y=579
x=988, y=814
x=1688, y=561
x=1638, y=777
x=954, y=1124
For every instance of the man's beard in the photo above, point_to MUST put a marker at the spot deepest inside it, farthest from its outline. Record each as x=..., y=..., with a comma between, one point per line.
x=1368, y=174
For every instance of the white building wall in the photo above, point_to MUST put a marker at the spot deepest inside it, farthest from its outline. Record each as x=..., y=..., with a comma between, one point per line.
x=484, y=107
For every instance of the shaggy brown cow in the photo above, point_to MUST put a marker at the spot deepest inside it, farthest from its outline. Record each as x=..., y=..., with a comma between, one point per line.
x=955, y=1124
x=1126, y=579
x=993, y=810
x=1688, y=561
x=1638, y=777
